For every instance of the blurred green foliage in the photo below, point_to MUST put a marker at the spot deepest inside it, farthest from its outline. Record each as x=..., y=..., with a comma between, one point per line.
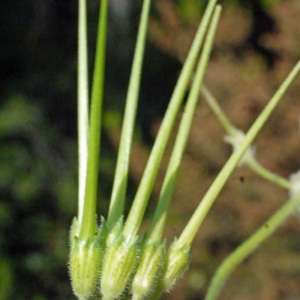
x=38, y=147
x=192, y=10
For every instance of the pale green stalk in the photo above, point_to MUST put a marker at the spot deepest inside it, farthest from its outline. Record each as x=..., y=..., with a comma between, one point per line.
x=196, y=220
x=159, y=219
x=250, y=245
x=122, y=168
x=143, y=193
x=214, y=105
x=83, y=99
x=88, y=226
x=256, y=167
x=230, y=129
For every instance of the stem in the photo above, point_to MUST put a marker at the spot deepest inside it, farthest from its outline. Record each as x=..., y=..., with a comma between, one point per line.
x=88, y=227
x=214, y=105
x=260, y=170
x=249, y=245
x=196, y=220
x=158, y=222
x=83, y=100
x=143, y=193
x=121, y=175
x=229, y=128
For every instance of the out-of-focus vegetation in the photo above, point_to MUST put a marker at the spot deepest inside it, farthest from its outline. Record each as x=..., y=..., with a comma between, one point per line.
x=38, y=147
x=38, y=156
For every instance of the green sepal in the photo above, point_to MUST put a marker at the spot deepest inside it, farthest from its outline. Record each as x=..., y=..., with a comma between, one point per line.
x=85, y=261
x=119, y=263
x=73, y=230
x=178, y=258
x=115, y=235
x=149, y=271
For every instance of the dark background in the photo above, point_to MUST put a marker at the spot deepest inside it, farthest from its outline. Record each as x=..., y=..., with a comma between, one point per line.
x=256, y=46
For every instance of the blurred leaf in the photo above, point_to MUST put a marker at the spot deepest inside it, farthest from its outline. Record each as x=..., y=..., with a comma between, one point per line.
x=6, y=215
x=191, y=10
x=17, y=114
x=6, y=282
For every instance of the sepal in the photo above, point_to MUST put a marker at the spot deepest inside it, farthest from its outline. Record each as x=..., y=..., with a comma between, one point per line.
x=149, y=271
x=119, y=263
x=85, y=262
x=178, y=258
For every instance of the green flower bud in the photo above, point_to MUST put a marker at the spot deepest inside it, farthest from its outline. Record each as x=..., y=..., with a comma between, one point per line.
x=85, y=262
x=178, y=258
x=119, y=263
x=149, y=271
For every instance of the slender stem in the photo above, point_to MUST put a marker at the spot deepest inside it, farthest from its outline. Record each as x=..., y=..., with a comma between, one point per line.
x=229, y=128
x=83, y=100
x=249, y=245
x=159, y=219
x=214, y=105
x=88, y=226
x=143, y=193
x=260, y=170
x=121, y=175
x=196, y=220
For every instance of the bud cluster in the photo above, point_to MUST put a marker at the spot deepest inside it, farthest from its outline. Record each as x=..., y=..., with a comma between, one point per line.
x=111, y=265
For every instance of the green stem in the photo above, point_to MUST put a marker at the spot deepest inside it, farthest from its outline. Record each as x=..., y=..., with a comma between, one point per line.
x=249, y=245
x=121, y=175
x=260, y=170
x=214, y=105
x=88, y=226
x=83, y=99
x=196, y=220
x=143, y=193
x=230, y=129
x=159, y=219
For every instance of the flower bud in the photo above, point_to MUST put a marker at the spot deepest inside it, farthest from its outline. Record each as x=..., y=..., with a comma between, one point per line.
x=85, y=262
x=149, y=271
x=119, y=263
x=178, y=258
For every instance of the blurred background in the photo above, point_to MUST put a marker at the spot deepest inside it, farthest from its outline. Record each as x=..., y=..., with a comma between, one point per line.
x=257, y=44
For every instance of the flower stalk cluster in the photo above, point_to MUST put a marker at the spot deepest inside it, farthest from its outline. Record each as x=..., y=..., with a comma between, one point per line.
x=119, y=262
x=111, y=260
